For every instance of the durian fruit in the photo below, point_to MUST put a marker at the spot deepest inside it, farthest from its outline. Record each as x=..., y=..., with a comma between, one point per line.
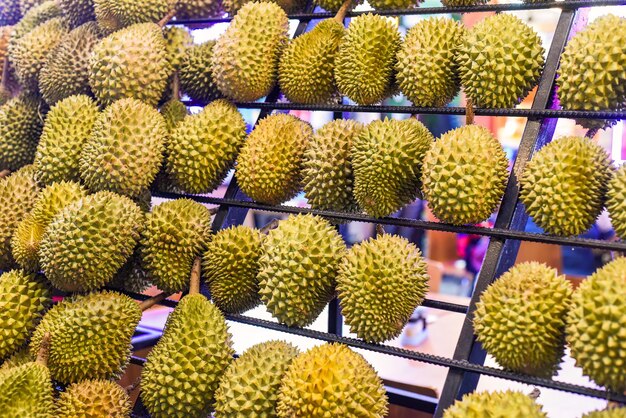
x=125, y=150
x=176, y=232
x=393, y=4
x=464, y=175
x=596, y=324
x=173, y=111
x=177, y=41
x=66, y=70
x=94, y=398
x=364, y=65
x=25, y=244
x=123, y=13
x=335, y=5
x=380, y=283
x=131, y=62
x=230, y=268
x=614, y=412
x=54, y=198
x=196, y=73
x=289, y=6
x=563, y=187
x=203, y=147
x=24, y=299
x=269, y=166
x=427, y=69
x=144, y=200
x=500, y=60
x=18, y=358
x=331, y=381
x=36, y=16
x=245, y=58
x=298, y=266
x=132, y=276
x=250, y=385
x=616, y=196
x=89, y=240
x=387, y=159
x=20, y=128
x=498, y=404
x=458, y=3
x=78, y=12
x=10, y=13
x=520, y=319
x=26, y=5
x=198, y=9
x=68, y=125
x=328, y=180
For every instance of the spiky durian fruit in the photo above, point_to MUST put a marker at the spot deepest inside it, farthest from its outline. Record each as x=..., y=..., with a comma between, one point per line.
x=20, y=128
x=455, y=3
x=66, y=70
x=393, y=4
x=198, y=9
x=177, y=41
x=289, y=6
x=427, y=70
x=520, y=319
x=89, y=240
x=387, y=159
x=563, y=187
x=364, y=65
x=78, y=12
x=10, y=13
x=25, y=244
x=465, y=187
x=616, y=196
x=250, y=385
x=26, y=391
x=331, y=381
x=335, y=5
x=36, y=16
x=298, y=266
x=131, y=62
x=94, y=398
x=230, y=267
x=380, y=283
x=132, y=276
x=614, y=412
x=18, y=358
x=90, y=336
x=269, y=166
x=26, y=5
x=203, y=147
x=122, y=13
x=306, y=68
x=596, y=324
x=245, y=58
x=591, y=74
x=196, y=73
x=500, y=60
x=68, y=125
x=507, y=404
x=173, y=112
x=54, y=198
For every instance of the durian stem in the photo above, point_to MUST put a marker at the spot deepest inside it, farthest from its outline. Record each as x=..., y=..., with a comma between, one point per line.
x=534, y=394
x=167, y=18
x=343, y=10
x=175, y=86
x=591, y=133
x=149, y=303
x=4, y=173
x=129, y=389
x=269, y=226
x=44, y=350
x=380, y=230
x=213, y=211
x=469, y=112
x=194, y=283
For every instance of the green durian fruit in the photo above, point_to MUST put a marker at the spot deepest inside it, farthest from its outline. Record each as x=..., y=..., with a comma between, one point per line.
x=245, y=58
x=144, y=200
x=298, y=266
x=24, y=299
x=20, y=357
x=177, y=41
x=25, y=244
x=507, y=404
x=107, y=21
x=591, y=75
x=616, y=196
x=331, y=381
x=520, y=319
x=427, y=68
x=596, y=326
x=89, y=240
x=78, y=12
x=130, y=12
x=198, y=9
x=614, y=412
x=328, y=180
x=387, y=159
x=289, y=6
x=131, y=62
x=500, y=60
x=306, y=68
x=26, y=5
x=125, y=150
x=380, y=283
x=90, y=336
x=203, y=147
x=55, y=198
x=173, y=111
x=564, y=185
x=465, y=187
x=94, y=398
x=68, y=125
x=176, y=232
x=364, y=65
x=250, y=385
x=66, y=70
x=26, y=391
x=230, y=267
x=10, y=13
x=20, y=127
x=334, y=5
x=459, y=3
x=36, y=16
x=393, y=4
x=269, y=166
x=132, y=276
x=196, y=73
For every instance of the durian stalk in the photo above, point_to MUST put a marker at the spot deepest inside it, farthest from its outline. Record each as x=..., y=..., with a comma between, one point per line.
x=129, y=389
x=270, y=225
x=175, y=86
x=343, y=10
x=469, y=112
x=194, y=283
x=44, y=350
x=534, y=394
x=149, y=303
x=591, y=133
x=167, y=18
x=4, y=173
x=380, y=229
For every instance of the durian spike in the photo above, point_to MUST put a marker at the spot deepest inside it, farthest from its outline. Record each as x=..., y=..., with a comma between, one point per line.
x=343, y=10
x=591, y=133
x=167, y=18
x=469, y=112
x=380, y=230
x=534, y=394
x=269, y=226
x=44, y=350
x=194, y=283
x=4, y=173
x=149, y=303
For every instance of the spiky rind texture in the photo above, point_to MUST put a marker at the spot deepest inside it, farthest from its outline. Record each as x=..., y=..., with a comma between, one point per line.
x=364, y=65
x=26, y=5
x=20, y=128
x=36, y=16
x=177, y=41
x=596, y=326
x=198, y=9
x=94, y=399
x=176, y=232
x=122, y=13
x=500, y=61
x=607, y=413
x=89, y=240
x=289, y=6
x=78, y=12
x=298, y=266
x=387, y=159
x=465, y=187
x=563, y=187
x=245, y=58
x=331, y=381
x=18, y=358
x=182, y=372
x=427, y=70
x=203, y=147
x=393, y=4
x=55, y=198
x=455, y=3
x=173, y=112
x=250, y=385
x=269, y=166
x=335, y=5
x=230, y=267
x=306, y=68
x=25, y=244
x=616, y=197
x=26, y=391
x=68, y=125
x=196, y=73
x=507, y=404
x=10, y=13
x=132, y=276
